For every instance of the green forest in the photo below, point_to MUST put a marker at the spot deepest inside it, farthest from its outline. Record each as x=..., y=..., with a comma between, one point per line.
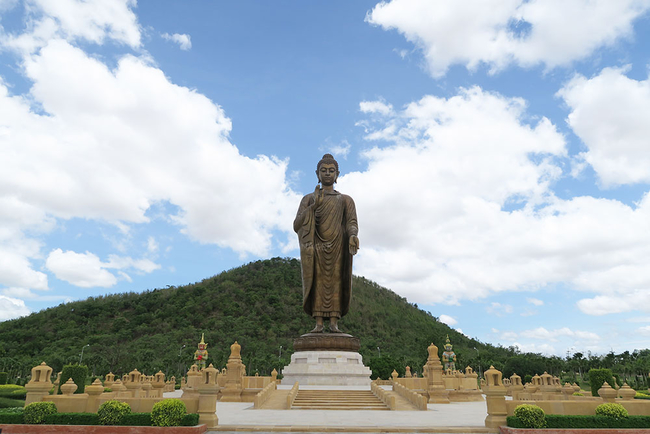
x=260, y=306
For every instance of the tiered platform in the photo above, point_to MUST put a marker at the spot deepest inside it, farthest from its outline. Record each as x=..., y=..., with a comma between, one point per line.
x=326, y=359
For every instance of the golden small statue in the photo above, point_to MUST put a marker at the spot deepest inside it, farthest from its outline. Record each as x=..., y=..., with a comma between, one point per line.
x=448, y=356
x=201, y=355
x=327, y=229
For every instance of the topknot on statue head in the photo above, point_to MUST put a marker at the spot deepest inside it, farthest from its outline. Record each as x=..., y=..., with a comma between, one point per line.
x=327, y=159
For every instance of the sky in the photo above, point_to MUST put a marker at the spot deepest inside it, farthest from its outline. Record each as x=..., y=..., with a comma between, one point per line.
x=498, y=152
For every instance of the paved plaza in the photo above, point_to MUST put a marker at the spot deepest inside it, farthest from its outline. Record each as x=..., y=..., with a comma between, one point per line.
x=457, y=417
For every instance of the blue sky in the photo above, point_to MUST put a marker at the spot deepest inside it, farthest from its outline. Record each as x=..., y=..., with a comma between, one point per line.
x=497, y=152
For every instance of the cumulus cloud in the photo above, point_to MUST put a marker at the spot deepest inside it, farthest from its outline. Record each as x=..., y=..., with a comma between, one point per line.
x=115, y=142
x=89, y=20
x=543, y=334
x=86, y=270
x=446, y=319
x=12, y=308
x=499, y=309
x=468, y=180
x=609, y=112
x=184, y=41
x=535, y=301
x=523, y=32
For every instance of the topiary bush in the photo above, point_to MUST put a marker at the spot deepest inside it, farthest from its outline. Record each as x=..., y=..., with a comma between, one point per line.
x=168, y=412
x=78, y=373
x=112, y=412
x=36, y=412
x=531, y=416
x=617, y=411
x=598, y=377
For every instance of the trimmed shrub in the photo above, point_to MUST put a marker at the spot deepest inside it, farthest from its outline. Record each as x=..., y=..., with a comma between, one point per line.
x=78, y=373
x=137, y=419
x=564, y=422
x=3, y=377
x=598, y=377
x=12, y=391
x=36, y=412
x=72, y=419
x=617, y=411
x=578, y=394
x=168, y=412
x=531, y=416
x=112, y=412
x=191, y=419
x=640, y=395
x=11, y=415
x=107, y=390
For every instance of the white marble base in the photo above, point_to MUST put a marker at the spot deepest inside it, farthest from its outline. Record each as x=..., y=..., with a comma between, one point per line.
x=335, y=368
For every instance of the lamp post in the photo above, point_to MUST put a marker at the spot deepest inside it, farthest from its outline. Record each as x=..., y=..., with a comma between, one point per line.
x=280, y=356
x=81, y=356
x=379, y=351
x=478, y=358
x=180, y=367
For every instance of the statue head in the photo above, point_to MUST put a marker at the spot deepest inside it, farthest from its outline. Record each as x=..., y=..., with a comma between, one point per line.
x=328, y=165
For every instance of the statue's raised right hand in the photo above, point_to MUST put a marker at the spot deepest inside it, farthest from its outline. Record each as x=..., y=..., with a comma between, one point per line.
x=318, y=196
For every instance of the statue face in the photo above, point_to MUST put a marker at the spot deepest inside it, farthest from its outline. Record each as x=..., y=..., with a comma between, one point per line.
x=327, y=174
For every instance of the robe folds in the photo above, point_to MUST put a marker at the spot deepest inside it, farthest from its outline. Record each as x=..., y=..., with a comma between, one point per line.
x=324, y=233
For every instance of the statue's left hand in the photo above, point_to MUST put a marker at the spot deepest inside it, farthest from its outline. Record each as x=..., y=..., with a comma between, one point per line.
x=354, y=244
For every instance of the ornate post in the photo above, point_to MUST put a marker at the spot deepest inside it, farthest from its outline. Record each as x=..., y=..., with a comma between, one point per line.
x=435, y=385
x=234, y=370
x=208, y=391
x=495, y=397
x=40, y=384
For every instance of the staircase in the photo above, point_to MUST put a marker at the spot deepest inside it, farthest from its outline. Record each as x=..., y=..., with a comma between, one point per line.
x=337, y=400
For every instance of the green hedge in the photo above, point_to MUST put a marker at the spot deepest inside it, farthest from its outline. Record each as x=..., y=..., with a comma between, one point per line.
x=561, y=421
x=598, y=377
x=9, y=403
x=78, y=373
x=133, y=419
x=3, y=377
x=72, y=419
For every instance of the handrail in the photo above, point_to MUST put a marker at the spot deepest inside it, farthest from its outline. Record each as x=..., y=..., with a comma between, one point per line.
x=263, y=396
x=382, y=395
x=292, y=395
x=413, y=397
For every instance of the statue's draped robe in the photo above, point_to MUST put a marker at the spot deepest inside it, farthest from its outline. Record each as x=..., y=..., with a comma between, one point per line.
x=324, y=235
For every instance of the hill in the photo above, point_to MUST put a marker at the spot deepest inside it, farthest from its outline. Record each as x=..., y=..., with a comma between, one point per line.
x=258, y=304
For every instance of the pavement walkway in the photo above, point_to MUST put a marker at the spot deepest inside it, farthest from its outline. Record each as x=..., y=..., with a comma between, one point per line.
x=456, y=417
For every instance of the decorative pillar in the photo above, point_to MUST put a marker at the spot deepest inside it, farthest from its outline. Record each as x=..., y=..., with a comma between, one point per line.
x=408, y=374
x=626, y=392
x=495, y=397
x=394, y=375
x=158, y=384
x=133, y=384
x=234, y=370
x=607, y=393
x=435, y=385
x=208, y=391
x=93, y=391
x=109, y=380
x=40, y=384
x=274, y=375
x=515, y=386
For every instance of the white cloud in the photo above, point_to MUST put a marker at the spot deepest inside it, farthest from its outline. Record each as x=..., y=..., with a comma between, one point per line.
x=527, y=33
x=87, y=270
x=609, y=113
x=184, y=41
x=12, y=308
x=375, y=107
x=152, y=245
x=544, y=348
x=89, y=20
x=472, y=212
x=535, y=301
x=499, y=309
x=80, y=269
x=446, y=319
x=111, y=144
x=645, y=330
x=543, y=334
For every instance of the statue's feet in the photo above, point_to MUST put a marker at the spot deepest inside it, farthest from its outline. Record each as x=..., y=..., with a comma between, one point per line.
x=335, y=329
x=317, y=329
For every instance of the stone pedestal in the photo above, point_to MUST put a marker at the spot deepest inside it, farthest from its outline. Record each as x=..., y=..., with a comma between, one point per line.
x=326, y=359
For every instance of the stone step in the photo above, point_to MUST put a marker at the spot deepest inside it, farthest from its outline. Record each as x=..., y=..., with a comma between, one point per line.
x=337, y=400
